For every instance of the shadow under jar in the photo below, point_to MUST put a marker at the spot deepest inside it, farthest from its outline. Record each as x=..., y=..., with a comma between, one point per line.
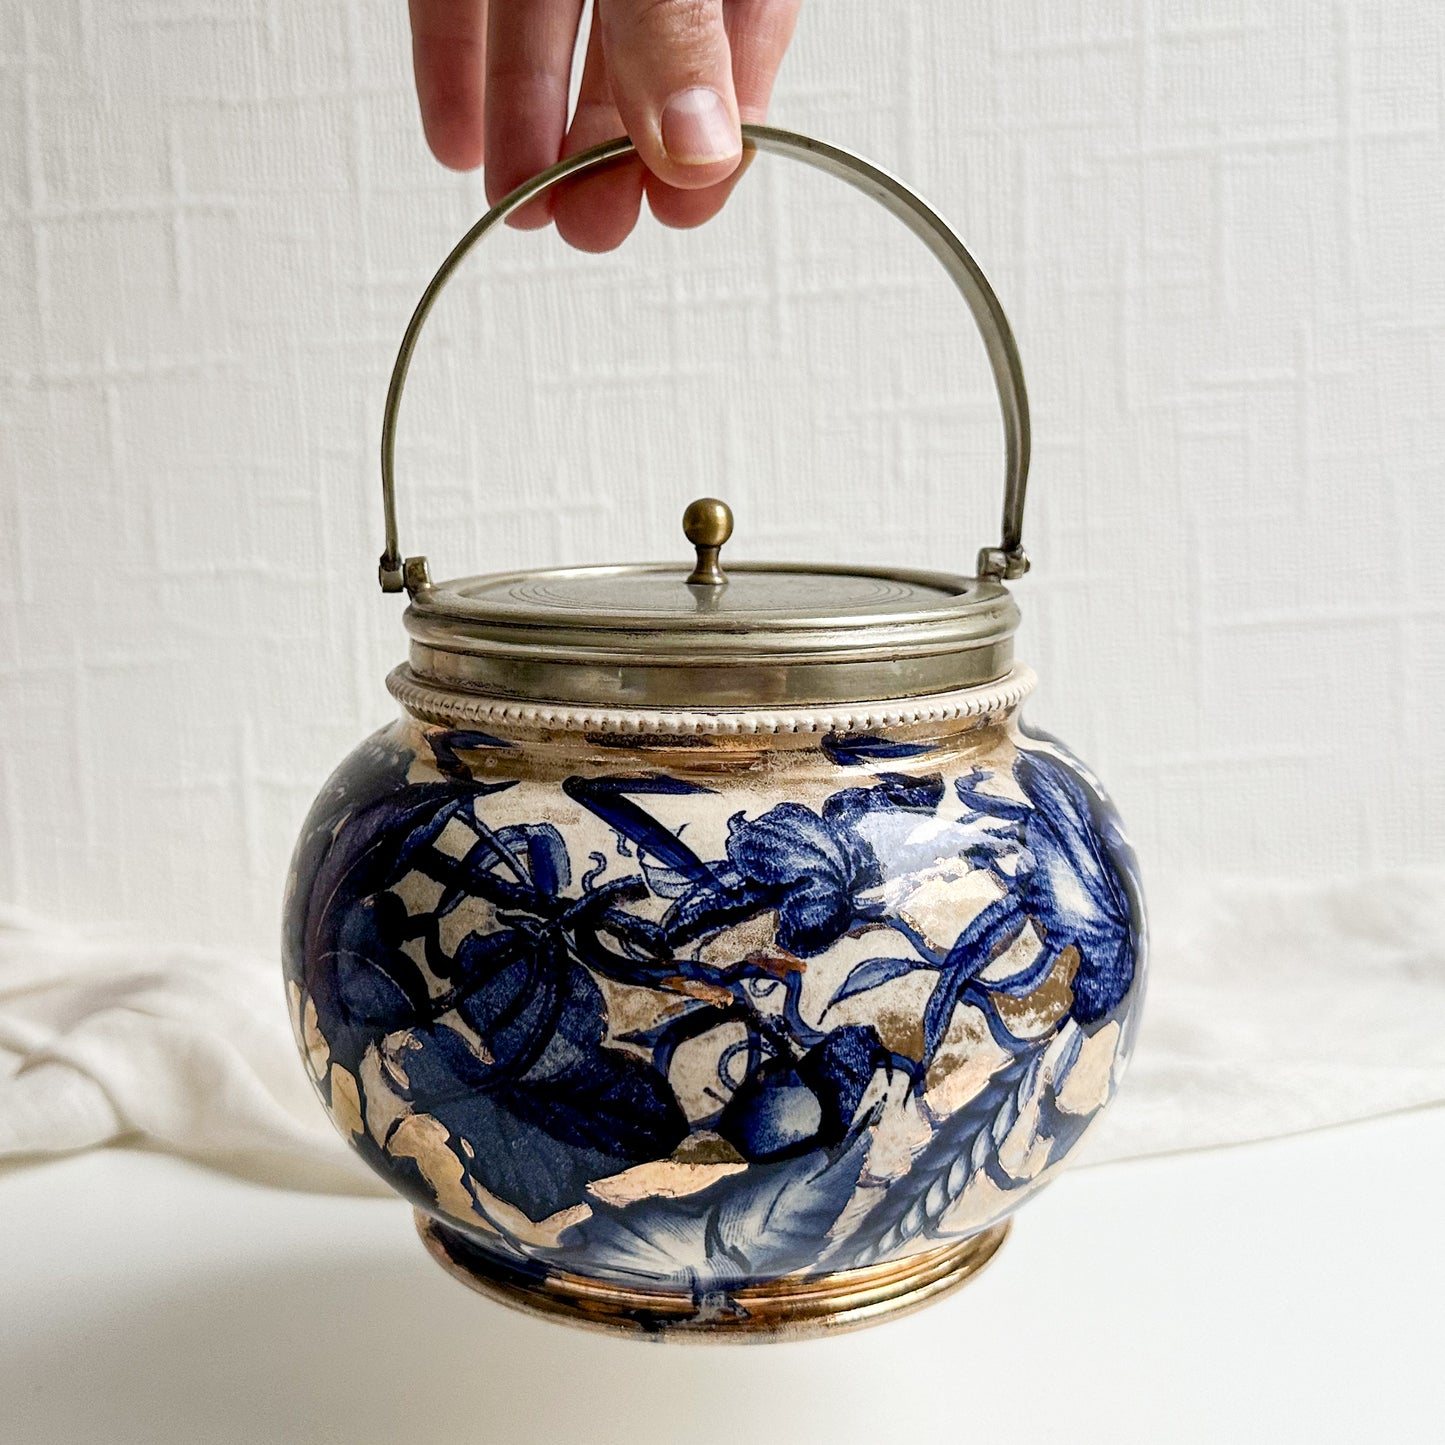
x=709, y=949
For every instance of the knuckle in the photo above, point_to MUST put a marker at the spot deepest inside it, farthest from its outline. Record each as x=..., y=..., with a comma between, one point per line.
x=677, y=21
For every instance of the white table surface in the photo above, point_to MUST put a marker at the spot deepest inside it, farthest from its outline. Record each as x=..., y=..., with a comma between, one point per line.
x=1289, y=1291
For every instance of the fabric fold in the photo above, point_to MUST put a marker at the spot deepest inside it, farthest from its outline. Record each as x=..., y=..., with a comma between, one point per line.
x=186, y=1050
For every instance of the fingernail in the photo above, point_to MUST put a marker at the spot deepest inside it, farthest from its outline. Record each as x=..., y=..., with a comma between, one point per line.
x=697, y=129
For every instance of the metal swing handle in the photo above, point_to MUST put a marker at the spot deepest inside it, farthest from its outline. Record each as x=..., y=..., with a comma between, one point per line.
x=1004, y=561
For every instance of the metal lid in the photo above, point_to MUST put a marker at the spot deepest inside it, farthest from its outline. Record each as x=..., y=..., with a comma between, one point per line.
x=686, y=635
x=763, y=633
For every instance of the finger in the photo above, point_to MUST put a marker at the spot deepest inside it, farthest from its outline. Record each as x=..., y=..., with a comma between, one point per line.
x=448, y=53
x=597, y=212
x=529, y=61
x=671, y=74
x=758, y=34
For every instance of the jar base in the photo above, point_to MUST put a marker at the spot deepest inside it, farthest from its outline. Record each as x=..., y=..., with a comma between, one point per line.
x=789, y=1308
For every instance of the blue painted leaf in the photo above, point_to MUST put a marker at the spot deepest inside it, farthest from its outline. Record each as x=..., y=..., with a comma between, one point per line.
x=993, y=930
x=357, y=1000
x=892, y=791
x=545, y=1107
x=608, y=799
x=1073, y=833
x=745, y=1228
x=541, y=845
x=539, y=1146
x=848, y=750
x=371, y=776
x=1105, y=975
x=872, y=972
x=665, y=882
x=988, y=804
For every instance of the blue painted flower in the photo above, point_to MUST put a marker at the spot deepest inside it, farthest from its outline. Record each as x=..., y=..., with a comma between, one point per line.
x=1083, y=889
x=813, y=868
x=1070, y=873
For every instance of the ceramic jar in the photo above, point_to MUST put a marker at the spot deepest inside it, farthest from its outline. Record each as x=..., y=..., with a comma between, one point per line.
x=710, y=948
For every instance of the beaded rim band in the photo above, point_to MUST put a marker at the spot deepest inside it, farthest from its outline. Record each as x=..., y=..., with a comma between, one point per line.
x=435, y=704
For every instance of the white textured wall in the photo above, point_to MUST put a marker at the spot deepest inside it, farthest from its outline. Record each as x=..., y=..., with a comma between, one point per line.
x=1219, y=226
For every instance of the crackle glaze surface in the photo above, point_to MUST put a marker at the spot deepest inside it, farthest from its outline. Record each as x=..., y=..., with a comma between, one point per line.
x=699, y=1015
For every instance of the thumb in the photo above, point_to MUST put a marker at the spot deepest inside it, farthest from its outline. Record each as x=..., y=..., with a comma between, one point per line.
x=670, y=69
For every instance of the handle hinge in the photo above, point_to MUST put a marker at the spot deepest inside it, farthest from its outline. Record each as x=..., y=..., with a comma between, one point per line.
x=1002, y=563
x=411, y=576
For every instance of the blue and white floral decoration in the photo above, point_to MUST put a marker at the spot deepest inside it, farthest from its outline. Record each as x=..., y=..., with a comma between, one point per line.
x=606, y=1027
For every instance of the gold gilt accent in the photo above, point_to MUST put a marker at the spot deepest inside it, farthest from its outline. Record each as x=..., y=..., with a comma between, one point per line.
x=713, y=993
x=705, y=1147
x=544, y=1233
x=632, y=1006
x=425, y=1140
x=318, y=1051
x=1032, y=1016
x=293, y=998
x=345, y=1101
x=901, y=1030
x=966, y=1059
x=660, y=1179
x=793, y=1307
x=1087, y=1086
x=942, y=906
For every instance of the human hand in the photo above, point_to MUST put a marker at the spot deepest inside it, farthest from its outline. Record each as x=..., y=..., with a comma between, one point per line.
x=678, y=76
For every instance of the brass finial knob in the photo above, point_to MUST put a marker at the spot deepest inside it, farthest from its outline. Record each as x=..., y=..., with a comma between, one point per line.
x=707, y=524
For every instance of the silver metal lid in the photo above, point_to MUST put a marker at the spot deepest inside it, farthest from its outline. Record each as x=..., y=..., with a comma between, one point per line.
x=760, y=634
x=764, y=634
